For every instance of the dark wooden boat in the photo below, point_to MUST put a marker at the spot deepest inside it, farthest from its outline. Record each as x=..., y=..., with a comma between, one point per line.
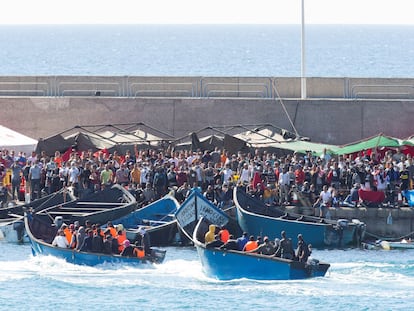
x=158, y=220
x=11, y=218
x=256, y=218
x=98, y=207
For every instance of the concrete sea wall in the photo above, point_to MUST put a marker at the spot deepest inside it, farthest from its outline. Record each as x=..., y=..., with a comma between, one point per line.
x=335, y=111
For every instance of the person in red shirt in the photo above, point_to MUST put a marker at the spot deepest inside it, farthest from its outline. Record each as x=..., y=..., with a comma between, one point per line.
x=299, y=177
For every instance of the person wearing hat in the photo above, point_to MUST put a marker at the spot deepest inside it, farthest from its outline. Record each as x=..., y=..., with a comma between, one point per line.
x=265, y=248
x=128, y=250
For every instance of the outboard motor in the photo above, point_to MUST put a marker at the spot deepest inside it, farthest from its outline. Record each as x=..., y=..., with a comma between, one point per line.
x=19, y=227
x=58, y=221
x=342, y=223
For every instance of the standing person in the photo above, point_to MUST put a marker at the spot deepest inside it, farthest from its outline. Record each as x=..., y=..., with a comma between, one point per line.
x=122, y=175
x=34, y=177
x=284, y=182
x=16, y=172
x=50, y=171
x=302, y=251
x=285, y=249
x=106, y=177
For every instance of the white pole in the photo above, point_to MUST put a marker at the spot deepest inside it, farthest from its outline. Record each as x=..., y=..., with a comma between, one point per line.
x=303, y=69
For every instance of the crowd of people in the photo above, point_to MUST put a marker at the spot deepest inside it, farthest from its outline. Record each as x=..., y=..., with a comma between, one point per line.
x=108, y=240
x=150, y=174
x=283, y=248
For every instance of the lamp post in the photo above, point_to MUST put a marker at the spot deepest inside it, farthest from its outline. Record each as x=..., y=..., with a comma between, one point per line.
x=303, y=67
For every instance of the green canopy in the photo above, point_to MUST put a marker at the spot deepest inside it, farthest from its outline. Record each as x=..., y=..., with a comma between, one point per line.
x=378, y=141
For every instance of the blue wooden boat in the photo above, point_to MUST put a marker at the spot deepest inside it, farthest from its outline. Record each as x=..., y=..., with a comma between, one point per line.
x=258, y=219
x=42, y=233
x=195, y=207
x=158, y=220
x=230, y=264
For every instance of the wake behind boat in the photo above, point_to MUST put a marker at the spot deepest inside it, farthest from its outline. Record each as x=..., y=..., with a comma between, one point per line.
x=231, y=264
x=258, y=219
x=41, y=235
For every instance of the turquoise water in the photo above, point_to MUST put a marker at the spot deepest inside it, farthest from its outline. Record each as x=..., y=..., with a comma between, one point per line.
x=358, y=280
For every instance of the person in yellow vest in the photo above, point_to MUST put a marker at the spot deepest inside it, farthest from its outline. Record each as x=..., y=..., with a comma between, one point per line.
x=209, y=236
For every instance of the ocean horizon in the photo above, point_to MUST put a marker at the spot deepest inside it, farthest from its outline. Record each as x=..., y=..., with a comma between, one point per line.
x=384, y=51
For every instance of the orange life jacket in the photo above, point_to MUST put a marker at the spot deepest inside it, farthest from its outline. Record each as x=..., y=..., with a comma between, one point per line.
x=140, y=253
x=121, y=238
x=250, y=245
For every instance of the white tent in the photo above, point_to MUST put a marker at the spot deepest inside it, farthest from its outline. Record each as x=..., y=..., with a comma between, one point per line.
x=13, y=140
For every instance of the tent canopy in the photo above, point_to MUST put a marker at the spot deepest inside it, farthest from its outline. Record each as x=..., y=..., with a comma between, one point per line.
x=377, y=141
x=16, y=141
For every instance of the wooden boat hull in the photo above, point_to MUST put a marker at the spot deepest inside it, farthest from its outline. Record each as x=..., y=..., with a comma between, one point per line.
x=227, y=265
x=41, y=246
x=158, y=220
x=257, y=219
x=195, y=207
x=11, y=218
x=98, y=207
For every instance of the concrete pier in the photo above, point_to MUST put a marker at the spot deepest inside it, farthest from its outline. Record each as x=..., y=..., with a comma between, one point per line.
x=374, y=218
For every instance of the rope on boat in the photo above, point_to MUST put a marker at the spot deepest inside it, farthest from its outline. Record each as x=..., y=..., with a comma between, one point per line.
x=389, y=238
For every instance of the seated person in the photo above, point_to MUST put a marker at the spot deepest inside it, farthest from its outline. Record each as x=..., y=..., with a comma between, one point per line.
x=231, y=244
x=128, y=250
x=266, y=248
x=209, y=236
x=216, y=243
x=60, y=240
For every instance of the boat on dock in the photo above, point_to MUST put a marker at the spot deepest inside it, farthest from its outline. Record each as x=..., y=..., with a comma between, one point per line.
x=258, y=219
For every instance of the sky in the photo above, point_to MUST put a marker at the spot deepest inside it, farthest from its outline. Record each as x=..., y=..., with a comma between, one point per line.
x=206, y=12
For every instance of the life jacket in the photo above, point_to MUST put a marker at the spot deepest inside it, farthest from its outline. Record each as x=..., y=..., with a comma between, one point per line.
x=224, y=235
x=68, y=234
x=250, y=245
x=113, y=232
x=121, y=238
x=140, y=253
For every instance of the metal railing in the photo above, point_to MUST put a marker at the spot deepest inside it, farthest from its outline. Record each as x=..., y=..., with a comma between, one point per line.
x=206, y=87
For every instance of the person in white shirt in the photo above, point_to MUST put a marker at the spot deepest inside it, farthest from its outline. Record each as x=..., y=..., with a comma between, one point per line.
x=323, y=201
x=60, y=240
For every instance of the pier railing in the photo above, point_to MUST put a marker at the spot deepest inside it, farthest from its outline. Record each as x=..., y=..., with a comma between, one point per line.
x=205, y=87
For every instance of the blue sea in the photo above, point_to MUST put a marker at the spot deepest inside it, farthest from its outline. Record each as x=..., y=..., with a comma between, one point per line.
x=207, y=50
x=357, y=280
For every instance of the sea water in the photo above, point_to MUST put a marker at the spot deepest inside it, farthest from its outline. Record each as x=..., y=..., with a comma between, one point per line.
x=357, y=280
x=207, y=50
